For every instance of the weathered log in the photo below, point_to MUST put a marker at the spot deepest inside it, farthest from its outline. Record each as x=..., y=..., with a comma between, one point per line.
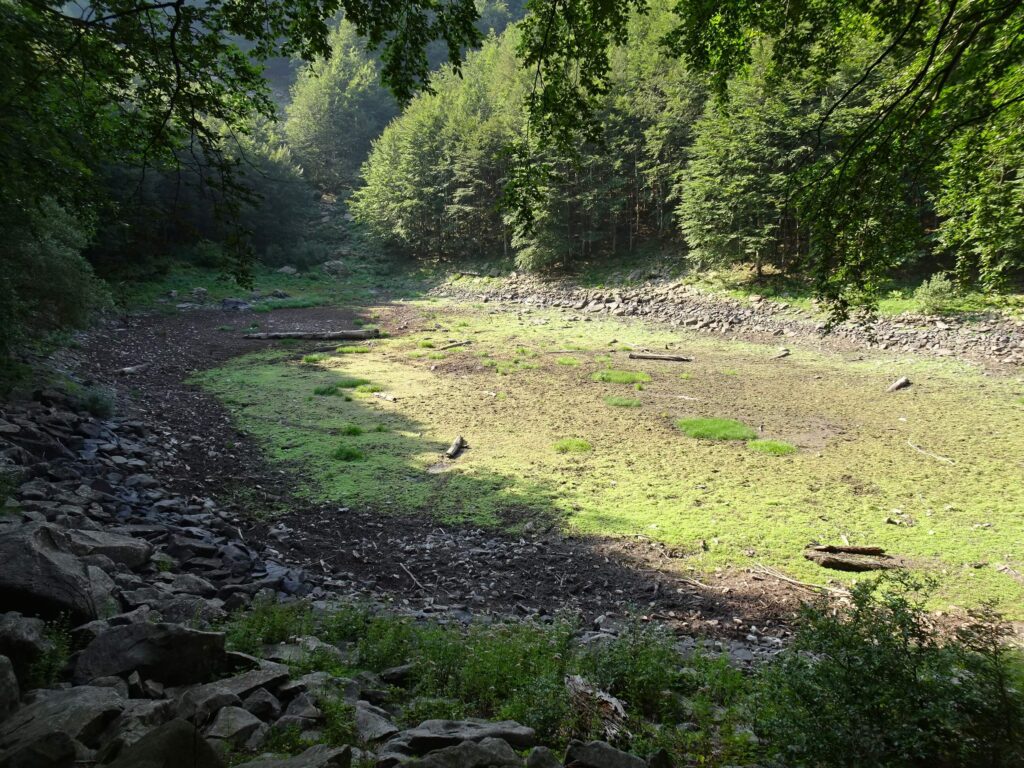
x=456, y=447
x=454, y=344
x=901, y=383
x=850, y=549
x=852, y=558
x=781, y=354
x=360, y=333
x=653, y=356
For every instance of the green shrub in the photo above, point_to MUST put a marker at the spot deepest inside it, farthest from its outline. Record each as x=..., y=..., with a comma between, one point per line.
x=387, y=642
x=572, y=445
x=352, y=430
x=46, y=669
x=426, y=345
x=621, y=377
x=936, y=294
x=98, y=402
x=716, y=429
x=369, y=388
x=266, y=622
x=879, y=685
x=622, y=402
x=339, y=727
x=347, y=453
x=317, y=357
x=773, y=447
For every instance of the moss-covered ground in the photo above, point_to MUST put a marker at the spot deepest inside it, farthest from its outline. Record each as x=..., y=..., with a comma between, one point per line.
x=934, y=473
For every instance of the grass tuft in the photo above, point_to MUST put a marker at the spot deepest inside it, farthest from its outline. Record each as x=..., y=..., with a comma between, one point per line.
x=347, y=453
x=352, y=430
x=334, y=389
x=613, y=376
x=567, y=361
x=352, y=350
x=367, y=387
x=318, y=357
x=426, y=345
x=716, y=429
x=622, y=402
x=772, y=447
x=572, y=445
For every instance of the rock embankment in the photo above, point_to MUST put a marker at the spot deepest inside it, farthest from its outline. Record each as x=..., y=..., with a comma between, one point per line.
x=991, y=339
x=140, y=580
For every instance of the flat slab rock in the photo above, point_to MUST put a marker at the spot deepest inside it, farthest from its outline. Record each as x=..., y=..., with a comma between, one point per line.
x=599, y=754
x=169, y=653
x=55, y=718
x=320, y=756
x=431, y=735
x=175, y=744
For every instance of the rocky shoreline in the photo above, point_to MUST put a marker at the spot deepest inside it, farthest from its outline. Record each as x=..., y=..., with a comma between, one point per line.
x=991, y=339
x=140, y=580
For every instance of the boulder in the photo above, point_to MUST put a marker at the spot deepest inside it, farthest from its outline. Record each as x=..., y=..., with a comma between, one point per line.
x=173, y=745
x=125, y=550
x=10, y=693
x=263, y=704
x=41, y=576
x=138, y=718
x=437, y=734
x=320, y=756
x=23, y=640
x=233, y=726
x=600, y=754
x=287, y=270
x=44, y=729
x=487, y=753
x=169, y=653
x=542, y=757
x=201, y=701
x=373, y=723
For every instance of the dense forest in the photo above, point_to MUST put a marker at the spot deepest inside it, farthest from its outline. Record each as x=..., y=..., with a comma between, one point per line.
x=846, y=147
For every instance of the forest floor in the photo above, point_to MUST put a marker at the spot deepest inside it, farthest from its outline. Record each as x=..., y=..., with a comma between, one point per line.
x=344, y=447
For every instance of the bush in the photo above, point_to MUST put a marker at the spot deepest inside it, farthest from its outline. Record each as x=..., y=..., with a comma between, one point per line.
x=878, y=685
x=936, y=294
x=347, y=453
x=45, y=283
x=266, y=622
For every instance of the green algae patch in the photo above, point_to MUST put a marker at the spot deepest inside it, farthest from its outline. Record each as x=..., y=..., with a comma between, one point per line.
x=856, y=462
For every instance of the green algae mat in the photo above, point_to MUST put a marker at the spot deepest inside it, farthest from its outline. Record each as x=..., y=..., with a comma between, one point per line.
x=734, y=458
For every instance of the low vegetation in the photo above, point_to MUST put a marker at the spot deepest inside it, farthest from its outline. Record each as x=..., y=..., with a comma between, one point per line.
x=874, y=683
x=716, y=429
x=572, y=445
x=751, y=502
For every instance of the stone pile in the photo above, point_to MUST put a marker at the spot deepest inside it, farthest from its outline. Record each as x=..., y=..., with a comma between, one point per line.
x=991, y=338
x=141, y=577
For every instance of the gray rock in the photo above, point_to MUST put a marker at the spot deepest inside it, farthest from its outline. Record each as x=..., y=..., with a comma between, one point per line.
x=41, y=575
x=138, y=718
x=233, y=726
x=287, y=270
x=542, y=757
x=437, y=734
x=169, y=653
x=335, y=268
x=125, y=550
x=201, y=703
x=173, y=745
x=488, y=753
x=10, y=693
x=193, y=585
x=599, y=754
x=320, y=756
x=303, y=706
x=62, y=717
x=263, y=704
x=373, y=723
x=23, y=640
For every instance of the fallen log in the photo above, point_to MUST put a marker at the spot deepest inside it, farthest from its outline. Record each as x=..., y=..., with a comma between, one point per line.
x=360, y=333
x=850, y=549
x=453, y=345
x=456, y=447
x=852, y=558
x=901, y=383
x=653, y=356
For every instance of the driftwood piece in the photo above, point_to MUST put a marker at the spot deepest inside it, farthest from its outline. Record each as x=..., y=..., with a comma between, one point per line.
x=653, y=356
x=901, y=383
x=359, y=333
x=456, y=447
x=454, y=344
x=852, y=558
x=781, y=354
